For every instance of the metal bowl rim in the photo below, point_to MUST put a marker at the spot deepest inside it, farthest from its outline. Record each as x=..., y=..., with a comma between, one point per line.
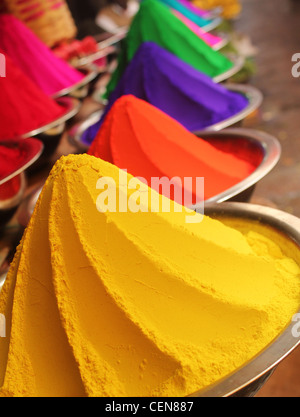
x=286, y=342
x=213, y=24
x=27, y=165
x=222, y=43
x=91, y=73
x=72, y=107
x=272, y=153
x=74, y=134
x=238, y=62
x=90, y=59
x=254, y=96
x=114, y=38
x=255, y=99
x=15, y=200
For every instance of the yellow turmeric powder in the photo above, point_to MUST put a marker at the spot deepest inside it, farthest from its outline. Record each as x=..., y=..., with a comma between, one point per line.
x=134, y=304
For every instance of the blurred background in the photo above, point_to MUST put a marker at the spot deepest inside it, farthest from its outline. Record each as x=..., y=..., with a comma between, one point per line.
x=273, y=27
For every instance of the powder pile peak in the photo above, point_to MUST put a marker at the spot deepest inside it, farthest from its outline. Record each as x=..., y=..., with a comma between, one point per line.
x=155, y=22
x=168, y=83
x=148, y=143
x=23, y=106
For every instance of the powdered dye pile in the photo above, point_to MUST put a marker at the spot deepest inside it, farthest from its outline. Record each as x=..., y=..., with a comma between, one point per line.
x=34, y=58
x=188, y=12
x=148, y=143
x=185, y=94
x=134, y=304
x=155, y=22
x=23, y=106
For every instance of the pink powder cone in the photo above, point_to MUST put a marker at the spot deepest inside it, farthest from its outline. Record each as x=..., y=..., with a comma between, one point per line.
x=210, y=39
x=34, y=58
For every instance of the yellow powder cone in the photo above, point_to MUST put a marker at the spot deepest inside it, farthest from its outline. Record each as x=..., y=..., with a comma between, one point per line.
x=134, y=304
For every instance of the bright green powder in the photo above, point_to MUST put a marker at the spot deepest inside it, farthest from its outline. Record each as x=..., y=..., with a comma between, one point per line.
x=155, y=22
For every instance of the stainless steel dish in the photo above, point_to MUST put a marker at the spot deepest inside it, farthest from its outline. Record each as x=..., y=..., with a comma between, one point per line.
x=71, y=106
x=90, y=73
x=283, y=229
x=238, y=63
x=255, y=99
x=107, y=39
x=266, y=144
x=213, y=24
x=223, y=42
x=76, y=132
x=253, y=95
x=28, y=205
x=8, y=206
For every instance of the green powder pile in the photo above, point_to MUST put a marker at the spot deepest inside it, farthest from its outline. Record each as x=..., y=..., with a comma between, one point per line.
x=155, y=22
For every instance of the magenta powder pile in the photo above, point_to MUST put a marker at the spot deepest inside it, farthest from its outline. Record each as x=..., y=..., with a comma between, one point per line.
x=34, y=58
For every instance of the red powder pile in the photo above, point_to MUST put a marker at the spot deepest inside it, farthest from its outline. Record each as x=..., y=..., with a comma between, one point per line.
x=148, y=143
x=10, y=160
x=23, y=106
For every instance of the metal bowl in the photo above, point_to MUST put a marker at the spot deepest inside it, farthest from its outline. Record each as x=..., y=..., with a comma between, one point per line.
x=79, y=90
x=28, y=205
x=238, y=63
x=92, y=58
x=9, y=205
x=223, y=41
x=71, y=106
x=76, y=132
x=15, y=183
x=255, y=99
x=260, y=143
x=51, y=134
x=213, y=24
x=107, y=39
x=216, y=12
x=2, y=280
x=283, y=229
x=253, y=95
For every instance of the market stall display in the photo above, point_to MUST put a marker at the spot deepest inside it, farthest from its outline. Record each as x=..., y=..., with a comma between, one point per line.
x=128, y=265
